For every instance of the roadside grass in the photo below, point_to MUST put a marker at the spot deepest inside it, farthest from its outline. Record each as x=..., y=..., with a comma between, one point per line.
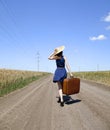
x=97, y=76
x=11, y=80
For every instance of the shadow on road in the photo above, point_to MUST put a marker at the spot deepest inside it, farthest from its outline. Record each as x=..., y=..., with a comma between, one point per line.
x=69, y=100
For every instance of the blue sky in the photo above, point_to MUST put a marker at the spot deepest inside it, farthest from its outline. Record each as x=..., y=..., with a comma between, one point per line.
x=29, y=27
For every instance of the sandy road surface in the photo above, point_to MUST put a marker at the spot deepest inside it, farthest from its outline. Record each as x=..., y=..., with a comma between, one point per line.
x=35, y=108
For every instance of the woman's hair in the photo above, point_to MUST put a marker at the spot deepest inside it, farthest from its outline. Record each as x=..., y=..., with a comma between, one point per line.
x=60, y=54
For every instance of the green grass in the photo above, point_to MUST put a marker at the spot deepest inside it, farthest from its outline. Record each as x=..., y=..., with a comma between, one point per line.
x=19, y=83
x=98, y=76
x=11, y=80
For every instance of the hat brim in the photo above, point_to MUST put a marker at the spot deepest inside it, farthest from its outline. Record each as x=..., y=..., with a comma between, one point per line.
x=58, y=50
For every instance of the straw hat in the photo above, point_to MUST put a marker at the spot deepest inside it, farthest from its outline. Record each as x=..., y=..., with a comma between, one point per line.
x=58, y=50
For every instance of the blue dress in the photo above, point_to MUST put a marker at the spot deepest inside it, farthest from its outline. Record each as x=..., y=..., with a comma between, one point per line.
x=60, y=72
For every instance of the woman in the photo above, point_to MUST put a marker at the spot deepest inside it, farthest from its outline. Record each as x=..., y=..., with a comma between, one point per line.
x=60, y=72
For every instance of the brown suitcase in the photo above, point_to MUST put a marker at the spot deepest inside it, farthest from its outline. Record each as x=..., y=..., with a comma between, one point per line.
x=71, y=86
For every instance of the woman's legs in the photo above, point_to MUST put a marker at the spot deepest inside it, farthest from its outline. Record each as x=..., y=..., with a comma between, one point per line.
x=60, y=91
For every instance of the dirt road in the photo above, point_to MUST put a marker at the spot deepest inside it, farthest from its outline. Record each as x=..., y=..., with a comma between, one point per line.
x=35, y=107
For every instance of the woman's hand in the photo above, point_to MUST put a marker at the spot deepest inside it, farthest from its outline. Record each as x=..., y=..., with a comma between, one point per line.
x=71, y=75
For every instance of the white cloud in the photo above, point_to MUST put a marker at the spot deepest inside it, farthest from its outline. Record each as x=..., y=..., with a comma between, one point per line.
x=100, y=37
x=108, y=28
x=107, y=18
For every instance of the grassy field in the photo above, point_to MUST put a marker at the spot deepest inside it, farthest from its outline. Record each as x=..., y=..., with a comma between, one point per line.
x=98, y=76
x=11, y=80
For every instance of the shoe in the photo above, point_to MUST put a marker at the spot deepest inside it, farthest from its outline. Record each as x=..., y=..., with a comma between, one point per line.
x=59, y=100
x=61, y=104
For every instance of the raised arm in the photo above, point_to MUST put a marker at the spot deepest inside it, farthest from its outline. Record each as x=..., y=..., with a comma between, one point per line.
x=68, y=66
x=53, y=57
